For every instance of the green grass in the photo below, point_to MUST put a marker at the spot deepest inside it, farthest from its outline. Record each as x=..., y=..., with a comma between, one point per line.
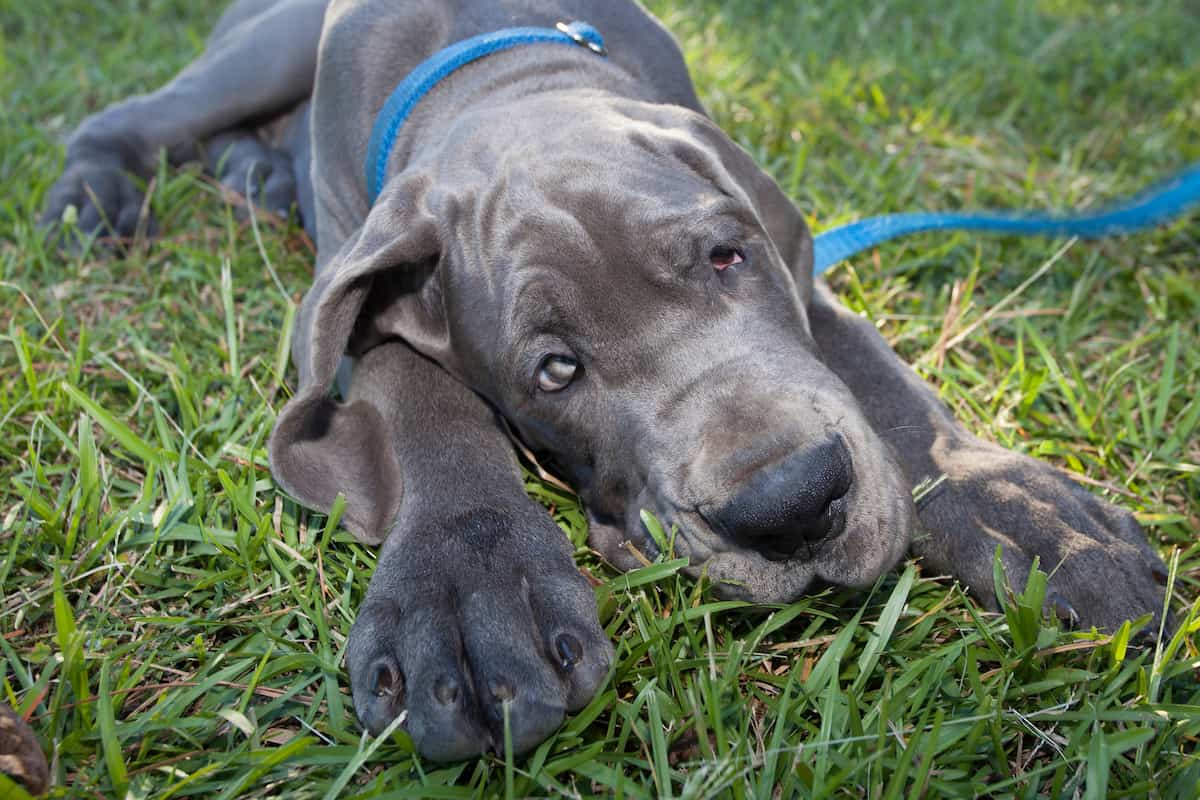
x=173, y=626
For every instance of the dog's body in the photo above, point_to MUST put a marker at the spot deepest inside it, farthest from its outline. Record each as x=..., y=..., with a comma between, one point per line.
x=566, y=241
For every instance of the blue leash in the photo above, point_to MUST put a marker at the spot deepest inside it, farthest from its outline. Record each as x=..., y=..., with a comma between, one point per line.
x=1156, y=205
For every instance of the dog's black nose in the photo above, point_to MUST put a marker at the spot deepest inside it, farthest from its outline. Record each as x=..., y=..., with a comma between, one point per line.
x=797, y=500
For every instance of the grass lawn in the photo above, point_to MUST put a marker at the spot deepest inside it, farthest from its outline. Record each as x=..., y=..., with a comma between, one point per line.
x=173, y=626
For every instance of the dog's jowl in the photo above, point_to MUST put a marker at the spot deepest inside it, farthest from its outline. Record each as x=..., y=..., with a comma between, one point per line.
x=564, y=244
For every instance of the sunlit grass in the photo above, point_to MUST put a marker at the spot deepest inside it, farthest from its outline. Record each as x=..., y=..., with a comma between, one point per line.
x=172, y=625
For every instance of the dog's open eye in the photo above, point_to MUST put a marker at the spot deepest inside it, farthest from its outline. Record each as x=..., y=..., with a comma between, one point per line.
x=556, y=373
x=725, y=256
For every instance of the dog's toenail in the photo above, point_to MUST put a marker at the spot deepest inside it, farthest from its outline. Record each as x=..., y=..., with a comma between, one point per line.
x=388, y=681
x=446, y=690
x=502, y=690
x=1160, y=575
x=1063, y=610
x=1144, y=639
x=570, y=652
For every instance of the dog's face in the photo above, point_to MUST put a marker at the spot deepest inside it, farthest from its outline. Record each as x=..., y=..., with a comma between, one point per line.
x=629, y=290
x=615, y=293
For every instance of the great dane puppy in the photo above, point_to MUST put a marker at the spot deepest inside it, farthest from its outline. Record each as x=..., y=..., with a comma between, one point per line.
x=565, y=242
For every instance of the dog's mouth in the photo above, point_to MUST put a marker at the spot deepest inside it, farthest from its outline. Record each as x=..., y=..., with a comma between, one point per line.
x=845, y=549
x=704, y=533
x=771, y=548
x=735, y=569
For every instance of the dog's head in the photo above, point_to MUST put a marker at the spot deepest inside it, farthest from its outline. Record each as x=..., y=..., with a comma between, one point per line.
x=629, y=290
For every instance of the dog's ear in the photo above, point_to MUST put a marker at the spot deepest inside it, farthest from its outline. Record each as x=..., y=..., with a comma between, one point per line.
x=321, y=447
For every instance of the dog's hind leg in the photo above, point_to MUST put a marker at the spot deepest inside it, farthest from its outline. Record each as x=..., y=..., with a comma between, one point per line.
x=1103, y=571
x=260, y=66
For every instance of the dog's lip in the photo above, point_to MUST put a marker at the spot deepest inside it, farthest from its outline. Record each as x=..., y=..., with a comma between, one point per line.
x=712, y=524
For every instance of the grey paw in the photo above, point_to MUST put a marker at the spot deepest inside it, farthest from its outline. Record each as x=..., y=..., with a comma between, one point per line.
x=97, y=184
x=460, y=622
x=251, y=169
x=1102, y=569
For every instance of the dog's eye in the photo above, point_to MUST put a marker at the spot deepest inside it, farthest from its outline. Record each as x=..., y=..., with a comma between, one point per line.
x=556, y=373
x=724, y=256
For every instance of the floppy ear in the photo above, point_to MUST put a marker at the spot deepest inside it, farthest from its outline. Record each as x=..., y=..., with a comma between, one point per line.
x=321, y=447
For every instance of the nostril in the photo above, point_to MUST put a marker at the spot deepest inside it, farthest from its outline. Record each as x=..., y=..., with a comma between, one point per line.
x=841, y=468
x=829, y=524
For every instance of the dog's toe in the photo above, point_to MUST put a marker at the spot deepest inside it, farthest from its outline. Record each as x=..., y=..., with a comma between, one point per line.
x=384, y=696
x=572, y=640
x=376, y=679
x=515, y=683
x=443, y=711
x=409, y=661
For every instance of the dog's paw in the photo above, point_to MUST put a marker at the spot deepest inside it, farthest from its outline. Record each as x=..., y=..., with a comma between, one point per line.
x=477, y=613
x=1102, y=570
x=255, y=171
x=96, y=196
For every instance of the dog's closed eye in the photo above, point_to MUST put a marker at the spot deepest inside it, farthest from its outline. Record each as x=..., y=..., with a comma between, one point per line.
x=725, y=256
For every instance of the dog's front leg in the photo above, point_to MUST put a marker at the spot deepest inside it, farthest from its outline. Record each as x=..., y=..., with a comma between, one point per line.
x=1103, y=571
x=476, y=603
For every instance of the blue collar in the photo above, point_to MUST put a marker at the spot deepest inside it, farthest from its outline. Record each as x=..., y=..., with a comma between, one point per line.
x=421, y=80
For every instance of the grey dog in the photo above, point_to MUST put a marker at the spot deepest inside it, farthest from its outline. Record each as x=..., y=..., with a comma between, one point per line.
x=566, y=244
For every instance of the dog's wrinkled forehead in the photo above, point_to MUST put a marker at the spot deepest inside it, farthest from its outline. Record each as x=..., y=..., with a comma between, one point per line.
x=594, y=257
x=645, y=225
x=604, y=204
x=609, y=224
x=599, y=190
